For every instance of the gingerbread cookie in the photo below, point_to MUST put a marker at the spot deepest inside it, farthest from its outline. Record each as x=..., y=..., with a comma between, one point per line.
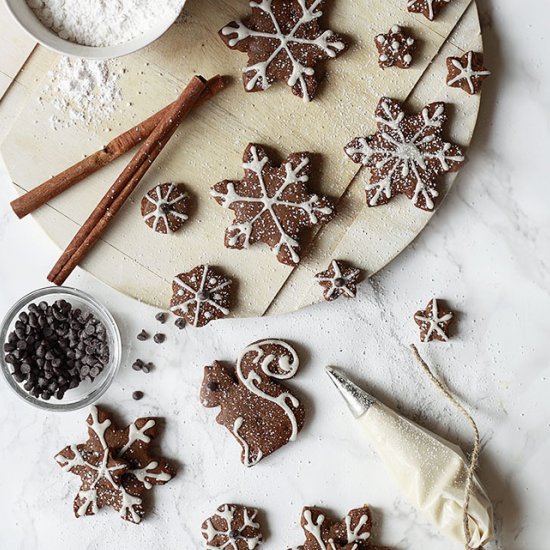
x=201, y=295
x=406, y=155
x=165, y=208
x=467, y=72
x=272, y=204
x=232, y=527
x=339, y=280
x=115, y=466
x=428, y=8
x=434, y=322
x=351, y=533
x=395, y=48
x=261, y=413
x=284, y=41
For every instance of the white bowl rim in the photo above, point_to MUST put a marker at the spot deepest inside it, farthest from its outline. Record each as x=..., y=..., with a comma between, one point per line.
x=46, y=37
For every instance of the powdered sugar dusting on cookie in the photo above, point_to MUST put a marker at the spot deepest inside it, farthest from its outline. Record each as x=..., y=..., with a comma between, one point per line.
x=297, y=39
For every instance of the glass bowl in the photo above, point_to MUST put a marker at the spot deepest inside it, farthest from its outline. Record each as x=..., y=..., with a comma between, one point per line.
x=24, y=15
x=88, y=391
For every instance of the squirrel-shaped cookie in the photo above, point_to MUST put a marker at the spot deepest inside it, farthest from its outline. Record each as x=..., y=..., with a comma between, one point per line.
x=258, y=410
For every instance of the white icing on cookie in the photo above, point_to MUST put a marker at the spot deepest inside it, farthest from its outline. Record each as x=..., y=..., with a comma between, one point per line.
x=286, y=42
x=339, y=281
x=201, y=295
x=241, y=232
x=429, y=4
x=467, y=73
x=248, y=460
x=89, y=497
x=288, y=365
x=435, y=322
x=231, y=534
x=161, y=201
x=401, y=156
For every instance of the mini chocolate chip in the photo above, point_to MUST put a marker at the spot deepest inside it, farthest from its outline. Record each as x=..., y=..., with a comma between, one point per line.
x=25, y=368
x=90, y=329
x=137, y=395
x=161, y=317
x=147, y=368
x=339, y=282
x=137, y=365
x=94, y=371
x=233, y=534
x=159, y=338
x=180, y=323
x=213, y=386
x=142, y=336
x=203, y=295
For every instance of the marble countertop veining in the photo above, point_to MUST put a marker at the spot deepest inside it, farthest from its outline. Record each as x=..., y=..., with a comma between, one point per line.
x=487, y=251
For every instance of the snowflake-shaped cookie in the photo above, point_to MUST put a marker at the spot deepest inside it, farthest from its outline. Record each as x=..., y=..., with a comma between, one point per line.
x=232, y=527
x=115, y=466
x=428, y=8
x=406, y=155
x=395, y=48
x=467, y=72
x=324, y=533
x=434, y=322
x=272, y=204
x=201, y=295
x=339, y=280
x=284, y=42
x=165, y=208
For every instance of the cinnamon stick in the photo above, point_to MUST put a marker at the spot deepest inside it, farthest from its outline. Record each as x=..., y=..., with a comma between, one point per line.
x=40, y=195
x=121, y=189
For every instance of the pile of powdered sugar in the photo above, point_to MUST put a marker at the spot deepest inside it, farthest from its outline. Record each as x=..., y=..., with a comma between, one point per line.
x=103, y=22
x=82, y=92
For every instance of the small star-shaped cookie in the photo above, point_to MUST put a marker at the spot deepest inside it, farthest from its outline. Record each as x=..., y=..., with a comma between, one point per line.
x=395, y=48
x=434, y=322
x=324, y=533
x=284, y=41
x=407, y=154
x=232, y=527
x=467, y=72
x=165, y=208
x=428, y=8
x=115, y=466
x=339, y=280
x=272, y=204
x=201, y=295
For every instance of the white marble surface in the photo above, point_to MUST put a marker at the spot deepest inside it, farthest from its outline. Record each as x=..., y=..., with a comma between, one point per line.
x=486, y=251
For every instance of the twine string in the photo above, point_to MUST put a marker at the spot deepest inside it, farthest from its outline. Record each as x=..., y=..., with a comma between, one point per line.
x=474, y=458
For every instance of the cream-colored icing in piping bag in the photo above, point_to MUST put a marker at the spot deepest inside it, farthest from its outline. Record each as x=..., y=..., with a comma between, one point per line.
x=430, y=471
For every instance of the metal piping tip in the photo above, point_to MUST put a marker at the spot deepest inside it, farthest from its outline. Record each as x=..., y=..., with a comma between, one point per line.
x=358, y=400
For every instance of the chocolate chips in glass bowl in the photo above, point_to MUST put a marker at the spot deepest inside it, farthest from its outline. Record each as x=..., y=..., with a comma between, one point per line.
x=53, y=348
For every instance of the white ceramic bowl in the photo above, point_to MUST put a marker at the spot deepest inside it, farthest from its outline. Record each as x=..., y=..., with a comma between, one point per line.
x=30, y=23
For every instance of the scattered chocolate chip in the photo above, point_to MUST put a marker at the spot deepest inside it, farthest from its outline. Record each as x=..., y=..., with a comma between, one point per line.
x=52, y=348
x=213, y=386
x=147, y=368
x=161, y=317
x=143, y=335
x=180, y=323
x=137, y=395
x=159, y=338
x=137, y=364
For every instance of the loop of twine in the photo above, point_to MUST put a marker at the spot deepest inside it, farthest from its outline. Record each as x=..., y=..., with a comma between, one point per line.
x=474, y=458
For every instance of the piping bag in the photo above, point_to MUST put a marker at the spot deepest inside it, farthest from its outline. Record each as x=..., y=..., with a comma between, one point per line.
x=430, y=471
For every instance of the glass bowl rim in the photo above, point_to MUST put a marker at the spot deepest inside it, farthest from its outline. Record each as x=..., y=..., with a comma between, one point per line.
x=96, y=307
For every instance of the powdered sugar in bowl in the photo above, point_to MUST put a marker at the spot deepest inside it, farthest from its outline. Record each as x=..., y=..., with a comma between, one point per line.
x=95, y=29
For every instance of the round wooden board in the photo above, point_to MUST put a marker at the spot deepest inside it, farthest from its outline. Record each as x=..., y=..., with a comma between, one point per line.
x=209, y=146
